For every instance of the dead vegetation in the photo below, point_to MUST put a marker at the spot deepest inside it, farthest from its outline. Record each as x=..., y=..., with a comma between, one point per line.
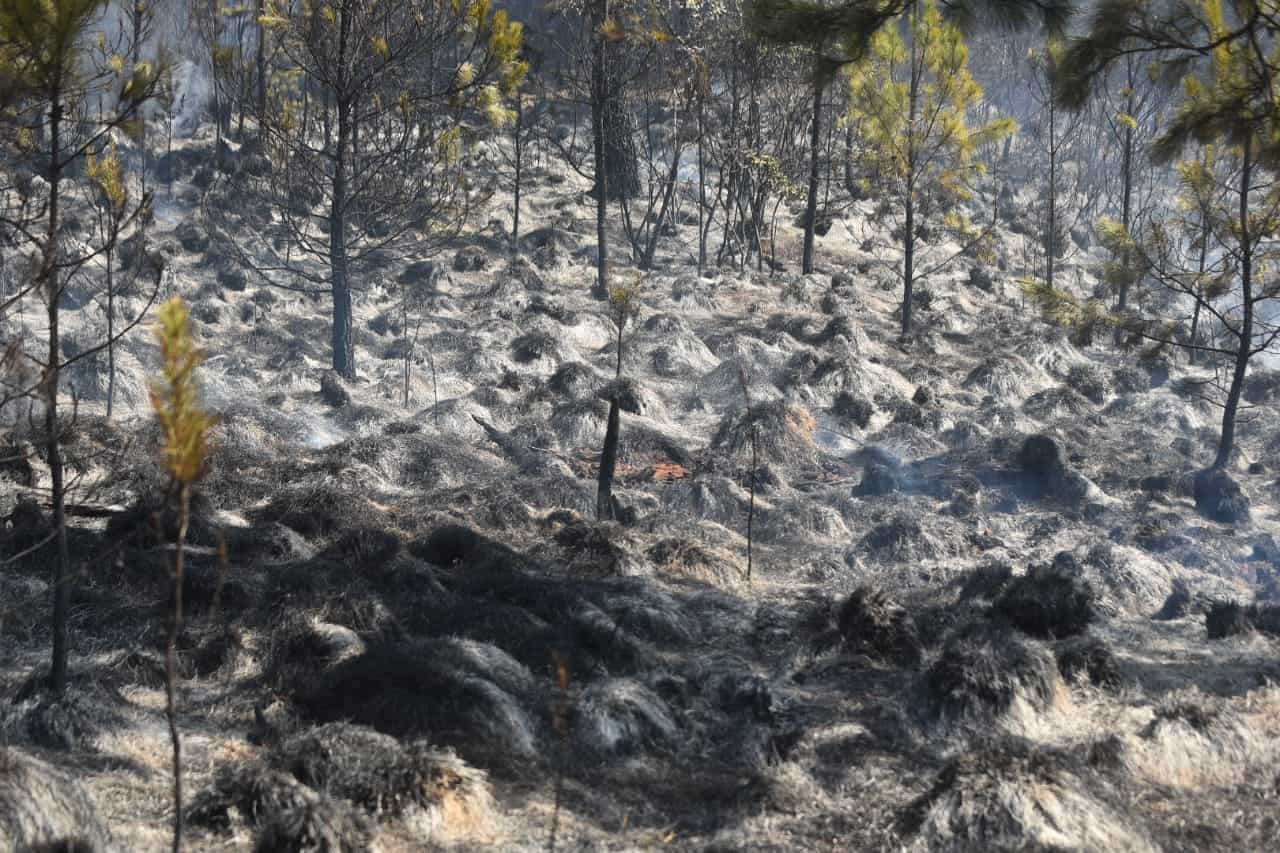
x=978, y=619
x=44, y=809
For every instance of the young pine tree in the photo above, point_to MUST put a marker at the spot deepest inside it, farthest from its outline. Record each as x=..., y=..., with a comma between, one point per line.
x=911, y=98
x=839, y=33
x=1226, y=53
x=364, y=130
x=52, y=66
x=186, y=428
x=624, y=304
x=106, y=174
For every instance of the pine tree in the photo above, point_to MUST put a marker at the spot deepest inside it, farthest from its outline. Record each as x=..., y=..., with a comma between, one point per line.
x=1056, y=132
x=839, y=34
x=186, y=428
x=911, y=98
x=1226, y=53
x=381, y=161
x=51, y=68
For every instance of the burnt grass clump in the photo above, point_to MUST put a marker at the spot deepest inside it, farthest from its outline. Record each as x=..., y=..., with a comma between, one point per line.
x=315, y=824
x=987, y=581
x=283, y=813
x=1230, y=619
x=1179, y=603
x=376, y=772
x=44, y=809
x=366, y=546
x=532, y=346
x=1087, y=660
x=460, y=695
x=873, y=623
x=1047, y=603
x=1008, y=794
x=983, y=668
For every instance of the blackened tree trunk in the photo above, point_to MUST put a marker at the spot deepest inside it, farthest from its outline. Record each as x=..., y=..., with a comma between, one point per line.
x=343, y=346
x=608, y=463
x=1244, y=348
x=909, y=224
x=518, y=140
x=52, y=291
x=815, y=143
x=109, y=259
x=850, y=181
x=1051, y=227
x=1200, y=264
x=702, y=189
x=621, y=160
x=260, y=61
x=613, y=431
x=1126, y=201
x=599, y=94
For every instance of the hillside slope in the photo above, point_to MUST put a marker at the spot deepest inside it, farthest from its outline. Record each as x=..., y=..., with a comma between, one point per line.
x=955, y=636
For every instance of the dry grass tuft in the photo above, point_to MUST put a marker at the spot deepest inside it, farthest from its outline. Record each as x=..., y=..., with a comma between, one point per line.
x=1009, y=795
x=44, y=809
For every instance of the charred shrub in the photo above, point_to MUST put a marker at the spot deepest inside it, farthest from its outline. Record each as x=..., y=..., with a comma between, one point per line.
x=1227, y=619
x=532, y=346
x=872, y=623
x=375, y=772
x=365, y=548
x=1087, y=660
x=984, y=667
x=1047, y=603
x=1219, y=497
x=855, y=409
x=455, y=692
x=987, y=581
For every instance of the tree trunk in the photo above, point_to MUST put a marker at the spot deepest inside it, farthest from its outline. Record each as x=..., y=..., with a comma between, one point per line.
x=646, y=261
x=815, y=142
x=49, y=278
x=1051, y=234
x=519, y=155
x=731, y=179
x=111, y=319
x=343, y=346
x=1126, y=204
x=908, y=264
x=608, y=463
x=621, y=160
x=702, y=192
x=260, y=60
x=1245, y=336
x=171, y=662
x=1195, y=315
x=850, y=182
x=599, y=94
x=612, y=433
x=909, y=217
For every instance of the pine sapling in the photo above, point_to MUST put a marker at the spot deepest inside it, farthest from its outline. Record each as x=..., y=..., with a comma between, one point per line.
x=751, y=501
x=560, y=721
x=186, y=427
x=623, y=301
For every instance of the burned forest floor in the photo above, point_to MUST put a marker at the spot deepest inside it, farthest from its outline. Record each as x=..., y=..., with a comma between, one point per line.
x=984, y=611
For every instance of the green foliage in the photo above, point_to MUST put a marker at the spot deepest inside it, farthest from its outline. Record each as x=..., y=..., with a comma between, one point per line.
x=176, y=396
x=1123, y=267
x=41, y=42
x=106, y=173
x=843, y=32
x=1082, y=318
x=1223, y=51
x=911, y=97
